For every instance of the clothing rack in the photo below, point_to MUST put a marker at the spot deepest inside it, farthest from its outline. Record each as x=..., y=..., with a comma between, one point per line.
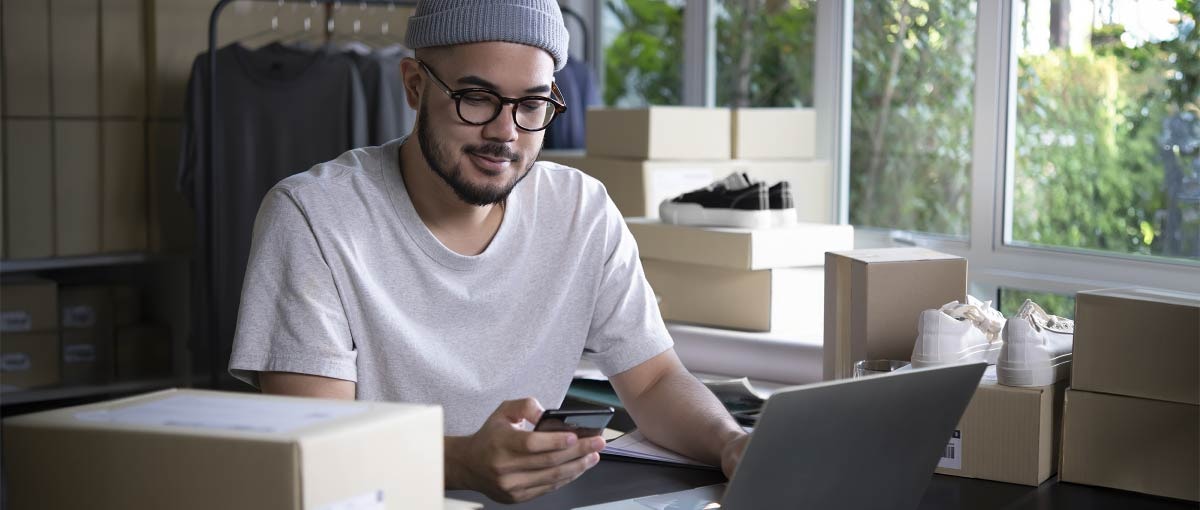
x=208, y=323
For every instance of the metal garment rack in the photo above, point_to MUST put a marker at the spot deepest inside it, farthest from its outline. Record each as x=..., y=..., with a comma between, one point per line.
x=210, y=150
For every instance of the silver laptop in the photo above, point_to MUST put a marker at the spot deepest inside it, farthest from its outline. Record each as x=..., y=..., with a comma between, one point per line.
x=855, y=443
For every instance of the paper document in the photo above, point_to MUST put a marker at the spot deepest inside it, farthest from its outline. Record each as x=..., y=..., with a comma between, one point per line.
x=227, y=413
x=637, y=446
x=735, y=394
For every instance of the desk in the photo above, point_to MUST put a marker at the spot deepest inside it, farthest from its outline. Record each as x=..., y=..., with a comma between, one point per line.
x=614, y=480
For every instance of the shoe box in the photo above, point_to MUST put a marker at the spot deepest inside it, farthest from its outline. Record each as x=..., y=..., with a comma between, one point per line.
x=170, y=449
x=1132, y=415
x=874, y=297
x=1135, y=444
x=812, y=184
x=773, y=133
x=638, y=186
x=737, y=248
x=29, y=353
x=659, y=133
x=760, y=300
x=1138, y=343
x=1007, y=434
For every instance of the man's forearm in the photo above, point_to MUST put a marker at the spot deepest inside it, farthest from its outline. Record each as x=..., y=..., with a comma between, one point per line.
x=678, y=412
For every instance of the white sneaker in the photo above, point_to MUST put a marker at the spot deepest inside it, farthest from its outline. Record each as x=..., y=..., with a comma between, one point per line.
x=1037, y=348
x=958, y=333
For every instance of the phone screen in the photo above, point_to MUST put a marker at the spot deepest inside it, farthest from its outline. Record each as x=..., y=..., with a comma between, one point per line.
x=584, y=423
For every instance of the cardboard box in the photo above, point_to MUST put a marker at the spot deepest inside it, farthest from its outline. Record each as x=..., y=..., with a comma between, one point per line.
x=77, y=187
x=1133, y=444
x=28, y=360
x=26, y=50
x=659, y=132
x=740, y=248
x=124, y=203
x=766, y=300
x=87, y=356
x=74, y=58
x=189, y=449
x=774, y=133
x=86, y=318
x=874, y=297
x=29, y=188
x=1137, y=342
x=28, y=306
x=1007, y=434
x=127, y=305
x=142, y=351
x=812, y=184
x=122, y=61
x=638, y=187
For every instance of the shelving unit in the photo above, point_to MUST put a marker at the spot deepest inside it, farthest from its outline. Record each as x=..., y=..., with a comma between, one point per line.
x=71, y=392
x=52, y=263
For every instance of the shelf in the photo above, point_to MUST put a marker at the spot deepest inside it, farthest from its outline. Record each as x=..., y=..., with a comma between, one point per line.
x=108, y=259
x=51, y=394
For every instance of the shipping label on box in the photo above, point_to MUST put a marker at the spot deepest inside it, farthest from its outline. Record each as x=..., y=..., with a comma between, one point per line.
x=874, y=297
x=87, y=356
x=1007, y=434
x=1133, y=444
x=738, y=248
x=171, y=449
x=1137, y=342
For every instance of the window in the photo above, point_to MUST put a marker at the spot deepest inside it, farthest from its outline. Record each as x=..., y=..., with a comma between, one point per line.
x=912, y=114
x=643, y=52
x=1061, y=305
x=764, y=52
x=1107, y=148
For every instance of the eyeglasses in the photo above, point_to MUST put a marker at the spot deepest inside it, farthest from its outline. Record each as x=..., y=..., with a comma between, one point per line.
x=480, y=106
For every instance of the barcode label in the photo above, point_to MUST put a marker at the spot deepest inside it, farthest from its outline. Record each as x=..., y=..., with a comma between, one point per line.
x=952, y=456
x=16, y=320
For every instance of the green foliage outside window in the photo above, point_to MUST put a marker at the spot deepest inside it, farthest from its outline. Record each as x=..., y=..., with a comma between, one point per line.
x=643, y=64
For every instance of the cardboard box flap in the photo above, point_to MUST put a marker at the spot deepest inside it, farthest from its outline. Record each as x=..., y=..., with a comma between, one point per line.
x=1152, y=295
x=886, y=255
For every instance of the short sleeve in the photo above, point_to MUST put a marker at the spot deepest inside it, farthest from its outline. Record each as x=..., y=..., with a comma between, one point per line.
x=291, y=317
x=627, y=327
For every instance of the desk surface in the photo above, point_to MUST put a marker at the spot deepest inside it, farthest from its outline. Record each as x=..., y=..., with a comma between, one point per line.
x=614, y=480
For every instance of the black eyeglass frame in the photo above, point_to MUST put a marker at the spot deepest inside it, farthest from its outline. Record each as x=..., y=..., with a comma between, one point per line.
x=457, y=95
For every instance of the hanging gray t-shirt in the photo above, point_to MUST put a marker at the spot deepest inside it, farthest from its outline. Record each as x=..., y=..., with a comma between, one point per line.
x=346, y=281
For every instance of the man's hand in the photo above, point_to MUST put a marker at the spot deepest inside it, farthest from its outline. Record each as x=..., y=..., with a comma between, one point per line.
x=510, y=464
x=731, y=454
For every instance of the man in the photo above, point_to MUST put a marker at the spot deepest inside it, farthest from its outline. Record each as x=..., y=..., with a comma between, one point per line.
x=451, y=269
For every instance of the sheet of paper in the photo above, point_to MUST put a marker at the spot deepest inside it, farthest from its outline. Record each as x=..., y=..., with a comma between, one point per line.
x=635, y=445
x=226, y=413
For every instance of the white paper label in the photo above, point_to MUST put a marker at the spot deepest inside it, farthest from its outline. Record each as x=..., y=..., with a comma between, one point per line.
x=78, y=316
x=15, y=320
x=226, y=413
x=372, y=500
x=952, y=456
x=79, y=353
x=15, y=362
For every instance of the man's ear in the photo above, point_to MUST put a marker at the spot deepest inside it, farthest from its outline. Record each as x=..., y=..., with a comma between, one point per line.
x=414, y=81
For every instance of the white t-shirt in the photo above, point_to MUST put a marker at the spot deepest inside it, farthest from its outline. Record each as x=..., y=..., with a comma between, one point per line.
x=346, y=281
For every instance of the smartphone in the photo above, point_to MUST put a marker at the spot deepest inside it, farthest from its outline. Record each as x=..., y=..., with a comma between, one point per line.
x=583, y=422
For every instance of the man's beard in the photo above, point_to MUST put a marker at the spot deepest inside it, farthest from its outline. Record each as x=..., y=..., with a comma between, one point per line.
x=438, y=156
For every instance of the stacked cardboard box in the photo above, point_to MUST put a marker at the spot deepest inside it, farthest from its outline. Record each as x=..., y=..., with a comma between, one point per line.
x=755, y=280
x=74, y=164
x=1132, y=414
x=188, y=449
x=645, y=156
x=29, y=353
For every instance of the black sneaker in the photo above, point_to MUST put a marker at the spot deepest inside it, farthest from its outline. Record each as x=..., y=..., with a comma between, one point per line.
x=783, y=207
x=719, y=206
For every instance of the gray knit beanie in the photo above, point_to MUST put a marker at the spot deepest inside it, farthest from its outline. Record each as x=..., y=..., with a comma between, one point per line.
x=537, y=23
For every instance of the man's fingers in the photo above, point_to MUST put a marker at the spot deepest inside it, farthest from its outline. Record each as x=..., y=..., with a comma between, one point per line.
x=542, y=442
x=553, y=458
x=523, y=482
x=527, y=409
